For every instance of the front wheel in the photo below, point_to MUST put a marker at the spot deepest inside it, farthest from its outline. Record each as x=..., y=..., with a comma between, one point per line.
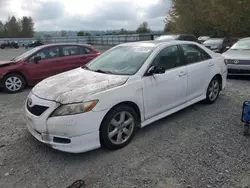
x=213, y=91
x=14, y=83
x=118, y=127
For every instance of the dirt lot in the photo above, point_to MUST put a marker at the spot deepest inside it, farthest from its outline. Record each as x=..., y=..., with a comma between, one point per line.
x=201, y=146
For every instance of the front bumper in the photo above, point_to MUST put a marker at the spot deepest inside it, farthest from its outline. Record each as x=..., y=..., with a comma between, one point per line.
x=74, y=133
x=238, y=69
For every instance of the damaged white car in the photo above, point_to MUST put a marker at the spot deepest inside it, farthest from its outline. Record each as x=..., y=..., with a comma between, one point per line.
x=129, y=86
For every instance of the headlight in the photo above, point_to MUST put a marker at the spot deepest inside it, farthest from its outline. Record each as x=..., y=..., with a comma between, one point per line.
x=76, y=108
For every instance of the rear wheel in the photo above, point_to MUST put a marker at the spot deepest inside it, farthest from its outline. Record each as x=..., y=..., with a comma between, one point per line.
x=213, y=90
x=14, y=83
x=118, y=127
x=246, y=129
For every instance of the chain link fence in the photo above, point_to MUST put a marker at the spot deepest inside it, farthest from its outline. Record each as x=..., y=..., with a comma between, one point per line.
x=93, y=40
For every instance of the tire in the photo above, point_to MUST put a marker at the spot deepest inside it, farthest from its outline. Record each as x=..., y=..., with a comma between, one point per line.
x=2, y=47
x=246, y=130
x=118, y=134
x=213, y=87
x=17, y=80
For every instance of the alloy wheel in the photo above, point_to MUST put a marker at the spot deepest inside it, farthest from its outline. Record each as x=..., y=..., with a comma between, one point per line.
x=121, y=127
x=213, y=90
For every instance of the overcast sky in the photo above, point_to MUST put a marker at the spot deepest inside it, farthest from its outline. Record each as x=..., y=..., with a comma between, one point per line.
x=87, y=14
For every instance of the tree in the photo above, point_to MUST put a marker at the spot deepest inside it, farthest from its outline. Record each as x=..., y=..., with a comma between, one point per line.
x=27, y=27
x=63, y=33
x=143, y=28
x=13, y=28
x=123, y=31
x=87, y=34
x=2, y=33
x=210, y=17
x=80, y=33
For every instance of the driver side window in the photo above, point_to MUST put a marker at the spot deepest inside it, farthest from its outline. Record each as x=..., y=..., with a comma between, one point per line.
x=168, y=58
x=47, y=53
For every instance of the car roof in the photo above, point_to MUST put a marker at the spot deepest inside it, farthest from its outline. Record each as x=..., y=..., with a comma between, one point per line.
x=65, y=44
x=156, y=43
x=215, y=39
x=247, y=38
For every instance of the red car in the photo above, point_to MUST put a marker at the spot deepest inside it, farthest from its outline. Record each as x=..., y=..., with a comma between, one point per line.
x=42, y=62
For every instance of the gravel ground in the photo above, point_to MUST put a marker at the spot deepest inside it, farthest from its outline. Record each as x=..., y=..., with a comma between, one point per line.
x=201, y=146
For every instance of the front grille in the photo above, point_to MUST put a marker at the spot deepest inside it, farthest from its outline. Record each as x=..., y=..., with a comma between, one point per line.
x=238, y=62
x=236, y=71
x=37, y=110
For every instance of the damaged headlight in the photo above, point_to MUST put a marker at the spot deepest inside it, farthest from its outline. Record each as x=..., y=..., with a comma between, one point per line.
x=75, y=108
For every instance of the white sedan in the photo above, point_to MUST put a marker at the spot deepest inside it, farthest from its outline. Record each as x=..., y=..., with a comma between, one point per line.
x=129, y=86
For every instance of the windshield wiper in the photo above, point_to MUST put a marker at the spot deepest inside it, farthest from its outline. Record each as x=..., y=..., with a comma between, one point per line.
x=102, y=71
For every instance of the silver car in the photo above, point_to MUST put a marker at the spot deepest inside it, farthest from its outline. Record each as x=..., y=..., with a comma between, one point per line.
x=238, y=58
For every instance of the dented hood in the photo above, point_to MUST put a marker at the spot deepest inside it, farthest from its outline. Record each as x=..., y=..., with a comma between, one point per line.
x=6, y=62
x=76, y=85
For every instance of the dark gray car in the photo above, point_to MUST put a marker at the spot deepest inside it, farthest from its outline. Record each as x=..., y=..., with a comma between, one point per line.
x=218, y=45
x=238, y=58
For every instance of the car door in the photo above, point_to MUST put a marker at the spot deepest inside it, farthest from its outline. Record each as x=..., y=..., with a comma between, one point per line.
x=163, y=92
x=49, y=64
x=75, y=56
x=198, y=64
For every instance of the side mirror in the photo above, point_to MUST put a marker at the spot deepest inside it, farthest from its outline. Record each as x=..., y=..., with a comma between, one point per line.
x=37, y=59
x=155, y=70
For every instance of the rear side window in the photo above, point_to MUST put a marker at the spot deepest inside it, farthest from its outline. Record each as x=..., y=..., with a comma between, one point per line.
x=70, y=50
x=84, y=50
x=194, y=54
x=188, y=38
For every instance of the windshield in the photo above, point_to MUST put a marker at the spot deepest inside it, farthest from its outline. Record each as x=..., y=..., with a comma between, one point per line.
x=166, y=37
x=26, y=54
x=241, y=45
x=122, y=60
x=214, y=41
x=204, y=38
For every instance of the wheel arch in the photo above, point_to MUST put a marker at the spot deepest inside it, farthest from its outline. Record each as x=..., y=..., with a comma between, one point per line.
x=129, y=103
x=17, y=72
x=219, y=76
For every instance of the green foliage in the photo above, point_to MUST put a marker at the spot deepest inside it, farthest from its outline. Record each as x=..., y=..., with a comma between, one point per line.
x=82, y=33
x=209, y=17
x=17, y=28
x=143, y=28
x=27, y=27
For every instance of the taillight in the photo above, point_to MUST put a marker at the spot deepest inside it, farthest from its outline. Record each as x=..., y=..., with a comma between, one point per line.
x=225, y=61
x=98, y=53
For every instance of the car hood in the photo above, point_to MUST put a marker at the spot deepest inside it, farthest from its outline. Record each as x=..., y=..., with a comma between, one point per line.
x=3, y=63
x=212, y=45
x=237, y=54
x=76, y=85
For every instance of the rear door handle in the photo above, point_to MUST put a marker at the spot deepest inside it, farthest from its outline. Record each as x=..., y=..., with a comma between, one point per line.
x=182, y=73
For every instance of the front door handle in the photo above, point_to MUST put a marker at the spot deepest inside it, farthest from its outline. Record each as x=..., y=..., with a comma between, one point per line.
x=182, y=73
x=210, y=64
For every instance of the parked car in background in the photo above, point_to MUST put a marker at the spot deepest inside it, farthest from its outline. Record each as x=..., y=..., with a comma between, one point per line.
x=218, y=45
x=238, y=58
x=9, y=44
x=35, y=44
x=129, y=86
x=202, y=39
x=185, y=37
x=42, y=62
